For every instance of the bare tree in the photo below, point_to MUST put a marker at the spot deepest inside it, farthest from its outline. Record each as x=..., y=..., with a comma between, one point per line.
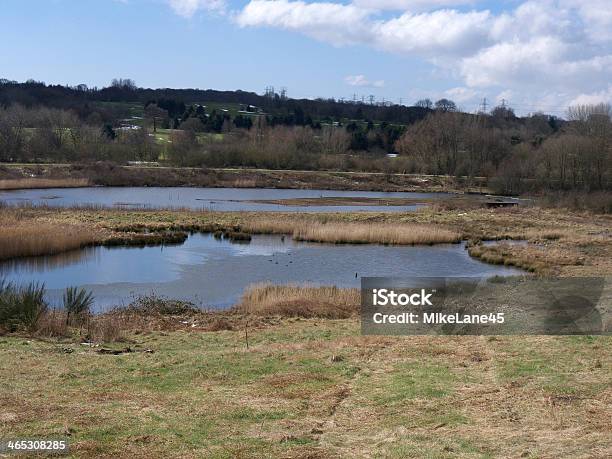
x=335, y=140
x=446, y=105
x=424, y=103
x=154, y=113
x=124, y=83
x=502, y=112
x=12, y=124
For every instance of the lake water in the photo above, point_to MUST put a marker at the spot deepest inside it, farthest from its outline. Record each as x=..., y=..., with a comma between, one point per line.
x=219, y=199
x=214, y=273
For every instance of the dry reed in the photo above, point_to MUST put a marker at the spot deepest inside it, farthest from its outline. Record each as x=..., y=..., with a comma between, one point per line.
x=23, y=237
x=53, y=324
x=23, y=183
x=244, y=183
x=315, y=230
x=300, y=301
x=271, y=225
x=375, y=233
x=108, y=328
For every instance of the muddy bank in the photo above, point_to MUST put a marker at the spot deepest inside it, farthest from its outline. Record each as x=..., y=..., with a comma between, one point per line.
x=343, y=201
x=109, y=174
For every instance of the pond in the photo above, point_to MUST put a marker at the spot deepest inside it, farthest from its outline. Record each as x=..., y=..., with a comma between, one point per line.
x=218, y=199
x=213, y=273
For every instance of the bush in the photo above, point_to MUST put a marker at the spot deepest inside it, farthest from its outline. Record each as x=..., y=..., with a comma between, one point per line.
x=21, y=307
x=598, y=201
x=77, y=302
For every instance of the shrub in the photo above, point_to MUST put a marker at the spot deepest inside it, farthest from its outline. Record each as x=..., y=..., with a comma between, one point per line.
x=300, y=301
x=77, y=302
x=21, y=307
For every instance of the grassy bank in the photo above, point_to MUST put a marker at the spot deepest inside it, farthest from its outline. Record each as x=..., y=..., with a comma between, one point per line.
x=24, y=310
x=311, y=388
x=343, y=201
x=300, y=301
x=27, y=183
x=109, y=174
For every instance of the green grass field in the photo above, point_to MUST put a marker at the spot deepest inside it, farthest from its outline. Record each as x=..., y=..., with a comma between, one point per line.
x=313, y=388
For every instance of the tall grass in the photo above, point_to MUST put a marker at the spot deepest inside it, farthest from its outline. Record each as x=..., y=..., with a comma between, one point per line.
x=24, y=309
x=21, y=306
x=272, y=225
x=20, y=237
x=77, y=303
x=375, y=233
x=300, y=301
x=23, y=183
x=317, y=230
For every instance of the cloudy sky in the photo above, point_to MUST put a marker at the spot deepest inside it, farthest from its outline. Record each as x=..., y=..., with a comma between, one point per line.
x=535, y=54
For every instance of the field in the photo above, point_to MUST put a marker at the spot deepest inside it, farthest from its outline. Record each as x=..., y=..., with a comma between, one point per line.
x=313, y=388
x=162, y=136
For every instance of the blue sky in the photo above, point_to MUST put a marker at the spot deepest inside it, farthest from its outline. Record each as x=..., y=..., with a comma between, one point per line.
x=537, y=54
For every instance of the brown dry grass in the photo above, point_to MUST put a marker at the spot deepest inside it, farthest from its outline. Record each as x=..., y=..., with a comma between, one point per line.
x=300, y=301
x=344, y=201
x=17, y=184
x=52, y=324
x=312, y=388
x=244, y=183
x=323, y=229
x=21, y=237
x=375, y=233
x=273, y=225
x=533, y=258
x=107, y=328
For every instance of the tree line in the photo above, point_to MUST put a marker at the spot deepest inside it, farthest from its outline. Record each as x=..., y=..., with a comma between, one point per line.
x=517, y=154
x=84, y=100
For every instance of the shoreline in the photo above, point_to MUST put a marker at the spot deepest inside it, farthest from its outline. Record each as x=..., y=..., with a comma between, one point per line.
x=108, y=174
x=562, y=242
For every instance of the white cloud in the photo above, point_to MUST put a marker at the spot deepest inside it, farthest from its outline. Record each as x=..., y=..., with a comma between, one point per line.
x=443, y=31
x=506, y=62
x=187, y=8
x=361, y=80
x=410, y=5
x=435, y=33
x=330, y=22
x=504, y=96
x=593, y=98
x=595, y=15
x=541, y=50
x=461, y=94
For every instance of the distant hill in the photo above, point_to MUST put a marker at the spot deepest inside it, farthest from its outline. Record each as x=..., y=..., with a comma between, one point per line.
x=33, y=93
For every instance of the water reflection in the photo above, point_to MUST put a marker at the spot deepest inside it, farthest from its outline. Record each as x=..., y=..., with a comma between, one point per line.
x=213, y=199
x=42, y=264
x=214, y=273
